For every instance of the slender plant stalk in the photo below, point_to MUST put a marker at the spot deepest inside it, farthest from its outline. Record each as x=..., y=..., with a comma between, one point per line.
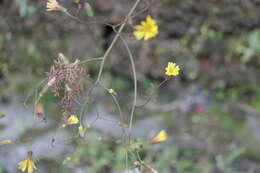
x=86, y=103
x=135, y=84
x=87, y=23
x=91, y=59
x=114, y=41
x=38, y=85
x=126, y=161
x=117, y=105
x=152, y=95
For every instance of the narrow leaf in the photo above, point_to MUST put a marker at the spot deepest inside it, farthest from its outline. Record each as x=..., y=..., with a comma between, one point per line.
x=89, y=10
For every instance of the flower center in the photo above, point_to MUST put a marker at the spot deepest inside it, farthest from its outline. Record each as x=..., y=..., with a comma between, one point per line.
x=147, y=28
x=172, y=70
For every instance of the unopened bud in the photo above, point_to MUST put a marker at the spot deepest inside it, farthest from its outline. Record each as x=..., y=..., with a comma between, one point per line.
x=61, y=56
x=111, y=91
x=81, y=131
x=67, y=87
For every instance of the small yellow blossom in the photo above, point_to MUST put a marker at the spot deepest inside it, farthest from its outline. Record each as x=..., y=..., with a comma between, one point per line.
x=147, y=29
x=160, y=137
x=73, y=119
x=28, y=164
x=172, y=69
x=53, y=5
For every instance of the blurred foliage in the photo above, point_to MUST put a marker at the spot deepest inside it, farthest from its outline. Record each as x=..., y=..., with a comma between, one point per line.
x=24, y=8
x=104, y=156
x=98, y=155
x=247, y=46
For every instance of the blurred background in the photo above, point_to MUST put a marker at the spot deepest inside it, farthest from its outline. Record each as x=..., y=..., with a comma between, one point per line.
x=211, y=111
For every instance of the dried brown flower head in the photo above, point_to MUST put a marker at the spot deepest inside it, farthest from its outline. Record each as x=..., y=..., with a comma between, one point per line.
x=65, y=81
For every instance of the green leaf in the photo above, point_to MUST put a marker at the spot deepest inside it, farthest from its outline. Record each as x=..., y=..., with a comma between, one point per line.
x=234, y=155
x=89, y=10
x=254, y=39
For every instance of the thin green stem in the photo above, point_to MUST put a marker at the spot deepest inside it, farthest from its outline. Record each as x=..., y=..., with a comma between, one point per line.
x=114, y=41
x=117, y=105
x=138, y=157
x=152, y=95
x=87, y=23
x=135, y=84
x=91, y=59
x=36, y=88
x=126, y=161
x=86, y=102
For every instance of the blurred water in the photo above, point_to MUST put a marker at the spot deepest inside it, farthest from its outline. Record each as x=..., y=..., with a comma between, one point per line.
x=18, y=122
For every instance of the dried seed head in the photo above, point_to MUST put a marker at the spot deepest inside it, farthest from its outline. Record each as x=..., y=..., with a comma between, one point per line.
x=65, y=81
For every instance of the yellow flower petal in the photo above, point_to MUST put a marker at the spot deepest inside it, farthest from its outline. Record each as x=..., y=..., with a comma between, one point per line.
x=146, y=36
x=138, y=27
x=172, y=69
x=73, y=119
x=147, y=29
x=160, y=137
x=22, y=165
x=28, y=163
x=31, y=166
x=139, y=35
x=143, y=23
x=150, y=20
x=52, y=5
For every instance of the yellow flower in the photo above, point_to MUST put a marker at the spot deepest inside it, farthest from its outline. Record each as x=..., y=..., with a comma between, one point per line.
x=160, y=137
x=172, y=69
x=28, y=164
x=147, y=29
x=52, y=5
x=73, y=119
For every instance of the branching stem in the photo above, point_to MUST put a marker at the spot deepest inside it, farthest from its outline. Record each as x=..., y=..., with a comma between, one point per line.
x=114, y=41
